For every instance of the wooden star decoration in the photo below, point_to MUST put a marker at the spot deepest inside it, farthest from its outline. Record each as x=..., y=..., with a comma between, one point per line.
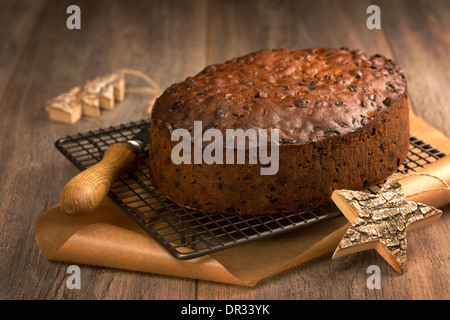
x=380, y=221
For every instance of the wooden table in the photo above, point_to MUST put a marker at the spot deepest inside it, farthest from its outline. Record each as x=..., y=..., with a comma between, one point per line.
x=170, y=40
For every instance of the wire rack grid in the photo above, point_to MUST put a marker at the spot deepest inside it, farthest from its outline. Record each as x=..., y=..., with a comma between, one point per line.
x=187, y=233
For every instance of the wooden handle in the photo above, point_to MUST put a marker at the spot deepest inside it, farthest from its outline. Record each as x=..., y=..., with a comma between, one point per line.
x=86, y=191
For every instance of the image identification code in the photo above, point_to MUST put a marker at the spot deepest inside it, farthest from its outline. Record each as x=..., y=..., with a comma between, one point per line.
x=250, y=309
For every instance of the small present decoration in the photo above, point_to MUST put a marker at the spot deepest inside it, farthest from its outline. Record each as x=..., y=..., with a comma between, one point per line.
x=94, y=95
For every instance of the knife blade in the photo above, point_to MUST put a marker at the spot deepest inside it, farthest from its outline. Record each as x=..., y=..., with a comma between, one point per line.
x=87, y=190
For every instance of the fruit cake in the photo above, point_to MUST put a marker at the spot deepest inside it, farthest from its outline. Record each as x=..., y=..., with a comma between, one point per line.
x=341, y=116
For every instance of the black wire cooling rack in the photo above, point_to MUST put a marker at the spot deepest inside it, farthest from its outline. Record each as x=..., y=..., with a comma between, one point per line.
x=186, y=233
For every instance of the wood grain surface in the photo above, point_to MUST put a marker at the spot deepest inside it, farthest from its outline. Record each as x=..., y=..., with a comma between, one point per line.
x=170, y=40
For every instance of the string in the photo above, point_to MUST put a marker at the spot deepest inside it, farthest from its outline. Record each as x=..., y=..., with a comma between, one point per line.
x=142, y=75
x=142, y=89
x=398, y=176
x=154, y=88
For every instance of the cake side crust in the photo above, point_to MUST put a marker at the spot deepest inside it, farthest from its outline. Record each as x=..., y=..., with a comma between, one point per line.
x=307, y=175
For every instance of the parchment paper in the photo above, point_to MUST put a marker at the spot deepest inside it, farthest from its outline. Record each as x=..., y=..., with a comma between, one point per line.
x=108, y=237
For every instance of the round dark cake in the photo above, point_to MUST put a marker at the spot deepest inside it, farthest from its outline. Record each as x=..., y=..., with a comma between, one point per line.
x=342, y=118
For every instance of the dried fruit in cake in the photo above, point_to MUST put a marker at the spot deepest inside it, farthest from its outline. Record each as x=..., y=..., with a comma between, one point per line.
x=342, y=118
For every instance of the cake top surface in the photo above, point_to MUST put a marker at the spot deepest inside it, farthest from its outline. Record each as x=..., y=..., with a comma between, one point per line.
x=307, y=94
